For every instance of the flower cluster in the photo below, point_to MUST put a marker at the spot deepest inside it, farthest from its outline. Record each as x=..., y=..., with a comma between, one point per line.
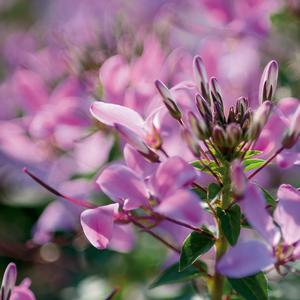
x=203, y=200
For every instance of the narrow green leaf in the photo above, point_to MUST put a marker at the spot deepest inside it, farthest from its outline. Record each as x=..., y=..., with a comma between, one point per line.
x=211, y=164
x=253, y=287
x=172, y=275
x=231, y=223
x=194, y=245
x=253, y=163
x=269, y=198
x=213, y=190
x=251, y=153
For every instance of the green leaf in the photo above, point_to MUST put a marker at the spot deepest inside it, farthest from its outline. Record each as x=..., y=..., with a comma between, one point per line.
x=253, y=287
x=172, y=275
x=213, y=191
x=194, y=245
x=251, y=153
x=211, y=164
x=231, y=223
x=269, y=198
x=253, y=163
x=201, y=194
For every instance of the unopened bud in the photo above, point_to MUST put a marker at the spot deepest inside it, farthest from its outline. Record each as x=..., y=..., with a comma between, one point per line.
x=200, y=76
x=293, y=132
x=203, y=108
x=215, y=91
x=135, y=141
x=260, y=119
x=198, y=126
x=191, y=142
x=231, y=115
x=219, y=136
x=268, y=82
x=168, y=101
x=215, y=94
x=8, y=281
x=238, y=178
x=234, y=134
x=242, y=105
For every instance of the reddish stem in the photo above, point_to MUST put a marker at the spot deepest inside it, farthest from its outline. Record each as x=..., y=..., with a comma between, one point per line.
x=77, y=202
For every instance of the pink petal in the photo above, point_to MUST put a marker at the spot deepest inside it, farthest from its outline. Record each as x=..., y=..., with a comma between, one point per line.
x=137, y=162
x=22, y=293
x=287, y=213
x=97, y=146
x=31, y=90
x=123, y=238
x=111, y=114
x=171, y=175
x=97, y=224
x=246, y=258
x=253, y=206
x=120, y=183
x=114, y=75
x=287, y=159
x=182, y=205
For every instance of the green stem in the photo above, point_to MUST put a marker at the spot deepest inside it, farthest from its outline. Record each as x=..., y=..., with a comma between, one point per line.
x=217, y=282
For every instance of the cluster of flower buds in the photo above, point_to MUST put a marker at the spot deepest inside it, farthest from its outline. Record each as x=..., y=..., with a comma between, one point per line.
x=225, y=132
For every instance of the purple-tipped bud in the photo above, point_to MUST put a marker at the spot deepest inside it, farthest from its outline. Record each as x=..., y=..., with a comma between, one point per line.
x=135, y=141
x=200, y=77
x=293, y=132
x=231, y=115
x=215, y=91
x=191, y=142
x=268, y=82
x=8, y=281
x=198, y=126
x=242, y=105
x=219, y=136
x=238, y=178
x=260, y=119
x=203, y=108
x=168, y=100
x=215, y=94
x=234, y=134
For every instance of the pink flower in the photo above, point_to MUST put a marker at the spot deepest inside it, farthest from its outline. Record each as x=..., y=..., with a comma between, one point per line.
x=279, y=248
x=102, y=230
x=9, y=289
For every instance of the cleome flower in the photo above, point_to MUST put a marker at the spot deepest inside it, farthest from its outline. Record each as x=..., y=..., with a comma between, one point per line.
x=11, y=291
x=281, y=237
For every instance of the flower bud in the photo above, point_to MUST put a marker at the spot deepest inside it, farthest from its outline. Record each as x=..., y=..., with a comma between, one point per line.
x=8, y=281
x=191, y=142
x=200, y=76
x=231, y=115
x=234, y=134
x=238, y=178
x=168, y=101
x=268, y=82
x=203, y=108
x=219, y=136
x=135, y=141
x=293, y=132
x=198, y=127
x=260, y=119
x=215, y=91
x=215, y=94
